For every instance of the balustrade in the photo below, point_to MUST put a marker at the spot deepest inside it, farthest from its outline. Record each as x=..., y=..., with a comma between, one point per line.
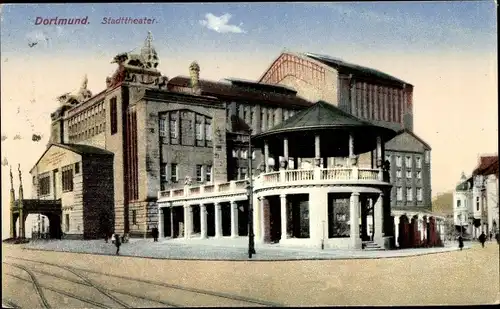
x=272, y=178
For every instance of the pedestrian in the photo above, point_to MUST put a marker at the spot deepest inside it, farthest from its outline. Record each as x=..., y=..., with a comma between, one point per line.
x=482, y=239
x=460, y=242
x=106, y=237
x=154, y=232
x=491, y=236
x=117, y=244
x=497, y=236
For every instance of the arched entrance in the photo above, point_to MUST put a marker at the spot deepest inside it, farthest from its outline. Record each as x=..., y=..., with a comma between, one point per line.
x=49, y=208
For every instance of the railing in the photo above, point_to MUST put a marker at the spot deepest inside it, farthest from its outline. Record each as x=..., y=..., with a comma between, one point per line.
x=336, y=173
x=299, y=175
x=274, y=178
x=238, y=186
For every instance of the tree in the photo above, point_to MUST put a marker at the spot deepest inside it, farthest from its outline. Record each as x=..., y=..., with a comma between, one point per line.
x=450, y=231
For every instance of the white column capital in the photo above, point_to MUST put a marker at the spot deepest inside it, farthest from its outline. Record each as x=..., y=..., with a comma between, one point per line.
x=282, y=195
x=355, y=194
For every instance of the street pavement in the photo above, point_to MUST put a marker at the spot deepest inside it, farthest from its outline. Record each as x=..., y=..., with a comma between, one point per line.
x=70, y=280
x=229, y=249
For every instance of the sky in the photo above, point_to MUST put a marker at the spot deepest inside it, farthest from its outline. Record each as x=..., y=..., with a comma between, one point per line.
x=447, y=50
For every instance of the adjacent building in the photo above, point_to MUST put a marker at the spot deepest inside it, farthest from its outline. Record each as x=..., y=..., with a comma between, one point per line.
x=476, y=200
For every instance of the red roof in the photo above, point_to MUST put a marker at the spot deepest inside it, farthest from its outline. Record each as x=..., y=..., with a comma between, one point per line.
x=487, y=166
x=228, y=91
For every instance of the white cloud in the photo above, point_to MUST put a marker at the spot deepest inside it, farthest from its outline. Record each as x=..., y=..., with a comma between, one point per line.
x=220, y=24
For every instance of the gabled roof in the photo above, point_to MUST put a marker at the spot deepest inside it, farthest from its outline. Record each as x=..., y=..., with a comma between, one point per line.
x=488, y=165
x=323, y=115
x=84, y=150
x=416, y=137
x=239, y=90
x=340, y=64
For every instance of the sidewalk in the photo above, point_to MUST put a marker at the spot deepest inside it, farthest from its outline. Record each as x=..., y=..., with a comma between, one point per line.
x=225, y=249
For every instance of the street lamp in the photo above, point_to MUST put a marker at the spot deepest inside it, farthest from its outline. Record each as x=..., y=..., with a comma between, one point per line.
x=251, y=243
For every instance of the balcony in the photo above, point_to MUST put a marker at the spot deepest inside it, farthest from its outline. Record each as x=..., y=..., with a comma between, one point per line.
x=285, y=178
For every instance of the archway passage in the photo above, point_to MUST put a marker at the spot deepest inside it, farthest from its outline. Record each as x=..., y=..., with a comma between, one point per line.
x=50, y=208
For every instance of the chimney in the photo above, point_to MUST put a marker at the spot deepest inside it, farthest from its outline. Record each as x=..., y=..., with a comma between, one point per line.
x=194, y=73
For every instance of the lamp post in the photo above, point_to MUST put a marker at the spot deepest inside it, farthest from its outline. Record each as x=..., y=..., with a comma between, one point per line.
x=251, y=243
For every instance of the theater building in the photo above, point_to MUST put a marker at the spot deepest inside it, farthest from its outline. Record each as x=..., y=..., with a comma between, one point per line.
x=164, y=133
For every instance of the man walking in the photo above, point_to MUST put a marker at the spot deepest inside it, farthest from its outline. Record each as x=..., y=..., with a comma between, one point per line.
x=117, y=244
x=154, y=232
x=460, y=242
x=482, y=239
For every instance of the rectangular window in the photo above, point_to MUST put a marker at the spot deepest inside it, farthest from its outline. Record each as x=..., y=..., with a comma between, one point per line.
x=409, y=194
x=67, y=223
x=199, y=129
x=173, y=125
x=419, y=175
x=199, y=177
x=163, y=127
x=244, y=154
x=427, y=156
x=418, y=162
x=419, y=194
x=398, y=173
x=208, y=129
x=398, y=161
x=408, y=174
x=113, y=116
x=174, y=177
x=134, y=217
x=77, y=168
x=235, y=153
x=67, y=178
x=399, y=194
x=477, y=203
x=459, y=202
x=408, y=162
x=208, y=173
x=388, y=158
x=44, y=185
x=163, y=176
x=243, y=173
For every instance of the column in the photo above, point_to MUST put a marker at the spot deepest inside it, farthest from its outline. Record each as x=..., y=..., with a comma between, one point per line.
x=351, y=146
x=171, y=220
x=317, y=154
x=354, y=219
x=266, y=156
x=283, y=217
x=262, y=218
x=186, y=221
x=379, y=152
x=203, y=221
x=234, y=219
x=396, y=230
x=285, y=150
x=161, y=224
x=218, y=220
x=352, y=86
x=378, y=220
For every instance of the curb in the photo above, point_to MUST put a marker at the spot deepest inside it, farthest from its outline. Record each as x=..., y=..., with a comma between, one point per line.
x=248, y=259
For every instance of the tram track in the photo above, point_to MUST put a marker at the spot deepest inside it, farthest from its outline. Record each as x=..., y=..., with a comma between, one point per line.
x=161, y=302
x=59, y=291
x=35, y=282
x=226, y=296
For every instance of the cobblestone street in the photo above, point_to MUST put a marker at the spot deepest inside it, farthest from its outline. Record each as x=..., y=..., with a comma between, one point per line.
x=459, y=277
